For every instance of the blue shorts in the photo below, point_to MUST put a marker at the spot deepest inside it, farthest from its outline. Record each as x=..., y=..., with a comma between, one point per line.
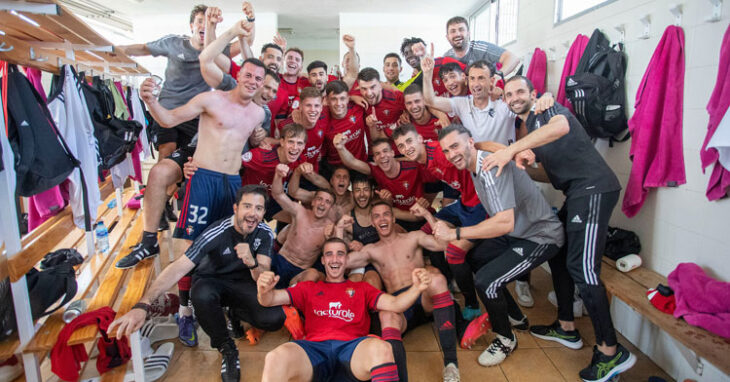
x=209, y=196
x=331, y=359
x=461, y=215
x=287, y=271
x=414, y=310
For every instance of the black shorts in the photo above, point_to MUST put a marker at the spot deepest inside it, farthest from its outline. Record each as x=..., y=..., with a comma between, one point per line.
x=181, y=134
x=181, y=155
x=436, y=187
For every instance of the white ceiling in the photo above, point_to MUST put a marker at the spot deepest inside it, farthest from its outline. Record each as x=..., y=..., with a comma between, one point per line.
x=309, y=20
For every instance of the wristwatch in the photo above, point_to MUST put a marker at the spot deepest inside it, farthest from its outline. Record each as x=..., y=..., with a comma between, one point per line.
x=252, y=19
x=143, y=306
x=458, y=233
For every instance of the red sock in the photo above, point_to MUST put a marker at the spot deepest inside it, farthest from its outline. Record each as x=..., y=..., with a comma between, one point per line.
x=455, y=255
x=386, y=372
x=393, y=337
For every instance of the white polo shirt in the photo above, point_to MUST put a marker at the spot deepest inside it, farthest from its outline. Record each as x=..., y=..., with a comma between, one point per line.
x=493, y=123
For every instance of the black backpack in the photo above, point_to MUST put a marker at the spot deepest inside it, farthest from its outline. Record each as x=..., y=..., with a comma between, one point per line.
x=621, y=242
x=56, y=280
x=597, y=90
x=42, y=159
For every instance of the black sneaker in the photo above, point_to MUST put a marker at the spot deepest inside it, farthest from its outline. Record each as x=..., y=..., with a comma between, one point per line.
x=604, y=368
x=139, y=253
x=169, y=213
x=230, y=365
x=521, y=324
x=570, y=339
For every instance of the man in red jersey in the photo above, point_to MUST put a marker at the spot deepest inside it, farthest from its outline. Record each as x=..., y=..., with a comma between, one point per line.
x=314, y=121
x=337, y=347
x=345, y=118
x=384, y=105
x=400, y=181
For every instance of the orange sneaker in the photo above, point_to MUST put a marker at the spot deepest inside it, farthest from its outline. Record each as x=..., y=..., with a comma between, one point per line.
x=294, y=323
x=477, y=328
x=253, y=336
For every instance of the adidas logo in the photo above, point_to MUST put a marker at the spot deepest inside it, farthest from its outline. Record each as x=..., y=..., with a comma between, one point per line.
x=576, y=219
x=519, y=251
x=227, y=251
x=321, y=293
x=24, y=123
x=571, y=82
x=446, y=326
x=181, y=56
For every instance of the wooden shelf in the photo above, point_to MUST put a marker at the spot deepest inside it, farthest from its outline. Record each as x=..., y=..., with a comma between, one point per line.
x=61, y=39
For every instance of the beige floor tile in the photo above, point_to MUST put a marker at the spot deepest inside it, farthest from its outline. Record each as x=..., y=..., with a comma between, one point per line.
x=269, y=341
x=528, y=365
x=471, y=371
x=421, y=339
x=569, y=362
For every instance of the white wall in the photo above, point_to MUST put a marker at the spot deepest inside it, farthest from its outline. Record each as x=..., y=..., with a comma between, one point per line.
x=675, y=224
x=378, y=34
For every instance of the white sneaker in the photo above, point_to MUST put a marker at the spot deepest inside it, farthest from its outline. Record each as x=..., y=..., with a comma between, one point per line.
x=524, y=297
x=578, y=308
x=497, y=351
x=451, y=373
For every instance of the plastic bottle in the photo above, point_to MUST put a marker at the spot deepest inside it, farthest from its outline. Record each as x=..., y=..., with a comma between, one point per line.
x=102, y=239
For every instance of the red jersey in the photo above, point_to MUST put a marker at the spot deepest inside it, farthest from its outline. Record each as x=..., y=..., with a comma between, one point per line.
x=428, y=131
x=438, y=85
x=459, y=180
x=352, y=126
x=315, y=138
x=406, y=187
x=289, y=91
x=279, y=107
x=259, y=166
x=335, y=311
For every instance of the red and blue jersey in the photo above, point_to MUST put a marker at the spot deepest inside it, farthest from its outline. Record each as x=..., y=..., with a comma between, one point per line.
x=459, y=180
x=353, y=128
x=315, y=138
x=406, y=187
x=259, y=166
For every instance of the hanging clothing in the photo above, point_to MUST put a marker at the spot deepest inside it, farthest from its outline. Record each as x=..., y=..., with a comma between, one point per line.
x=656, y=126
x=139, y=116
x=48, y=203
x=718, y=130
x=701, y=300
x=66, y=360
x=571, y=63
x=68, y=109
x=537, y=71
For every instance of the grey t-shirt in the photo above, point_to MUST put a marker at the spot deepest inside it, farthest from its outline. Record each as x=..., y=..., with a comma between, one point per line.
x=183, y=79
x=572, y=163
x=534, y=219
x=479, y=50
x=493, y=123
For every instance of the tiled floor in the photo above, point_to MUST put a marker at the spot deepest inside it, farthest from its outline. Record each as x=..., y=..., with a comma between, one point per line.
x=535, y=360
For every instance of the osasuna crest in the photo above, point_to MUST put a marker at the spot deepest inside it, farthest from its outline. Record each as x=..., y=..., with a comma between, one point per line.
x=350, y=292
x=247, y=156
x=320, y=133
x=437, y=82
x=189, y=230
x=353, y=119
x=455, y=185
x=256, y=243
x=386, y=111
x=406, y=185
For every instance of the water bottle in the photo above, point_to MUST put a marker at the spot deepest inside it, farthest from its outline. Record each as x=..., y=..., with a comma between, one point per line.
x=102, y=239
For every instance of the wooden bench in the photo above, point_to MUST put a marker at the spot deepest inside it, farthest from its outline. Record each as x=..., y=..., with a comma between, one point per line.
x=631, y=288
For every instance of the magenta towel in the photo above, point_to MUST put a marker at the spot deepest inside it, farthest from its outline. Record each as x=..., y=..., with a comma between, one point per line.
x=537, y=72
x=571, y=63
x=717, y=107
x=701, y=300
x=656, y=126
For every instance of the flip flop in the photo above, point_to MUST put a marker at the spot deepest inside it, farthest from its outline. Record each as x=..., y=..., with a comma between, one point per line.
x=477, y=328
x=159, y=329
x=155, y=366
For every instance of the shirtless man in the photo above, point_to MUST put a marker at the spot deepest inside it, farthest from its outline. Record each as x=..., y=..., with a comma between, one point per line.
x=307, y=233
x=339, y=183
x=336, y=324
x=395, y=256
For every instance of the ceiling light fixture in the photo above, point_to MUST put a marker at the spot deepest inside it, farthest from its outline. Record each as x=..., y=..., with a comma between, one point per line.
x=25, y=18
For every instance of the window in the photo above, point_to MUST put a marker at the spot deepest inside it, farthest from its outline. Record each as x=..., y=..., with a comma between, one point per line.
x=496, y=22
x=567, y=9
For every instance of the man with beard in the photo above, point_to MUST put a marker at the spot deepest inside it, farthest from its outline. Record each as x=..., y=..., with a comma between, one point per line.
x=227, y=259
x=306, y=235
x=468, y=52
x=337, y=321
x=395, y=256
x=392, y=68
x=400, y=181
x=384, y=106
x=521, y=233
x=413, y=50
x=362, y=230
x=575, y=167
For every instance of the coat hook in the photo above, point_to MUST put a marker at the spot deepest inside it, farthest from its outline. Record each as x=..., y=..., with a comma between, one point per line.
x=5, y=48
x=716, y=14
x=621, y=29
x=676, y=11
x=36, y=59
x=646, y=22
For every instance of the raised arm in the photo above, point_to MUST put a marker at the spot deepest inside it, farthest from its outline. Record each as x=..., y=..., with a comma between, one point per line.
x=277, y=191
x=133, y=50
x=352, y=65
x=214, y=16
x=176, y=116
x=399, y=304
x=357, y=259
x=267, y=295
x=211, y=71
x=429, y=96
x=293, y=187
x=429, y=241
x=347, y=158
x=509, y=62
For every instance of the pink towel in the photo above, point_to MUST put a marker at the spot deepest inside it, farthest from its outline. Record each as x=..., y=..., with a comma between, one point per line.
x=656, y=126
x=571, y=63
x=701, y=300
x=717, y=107
x=48, y=203
x=537, y=72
